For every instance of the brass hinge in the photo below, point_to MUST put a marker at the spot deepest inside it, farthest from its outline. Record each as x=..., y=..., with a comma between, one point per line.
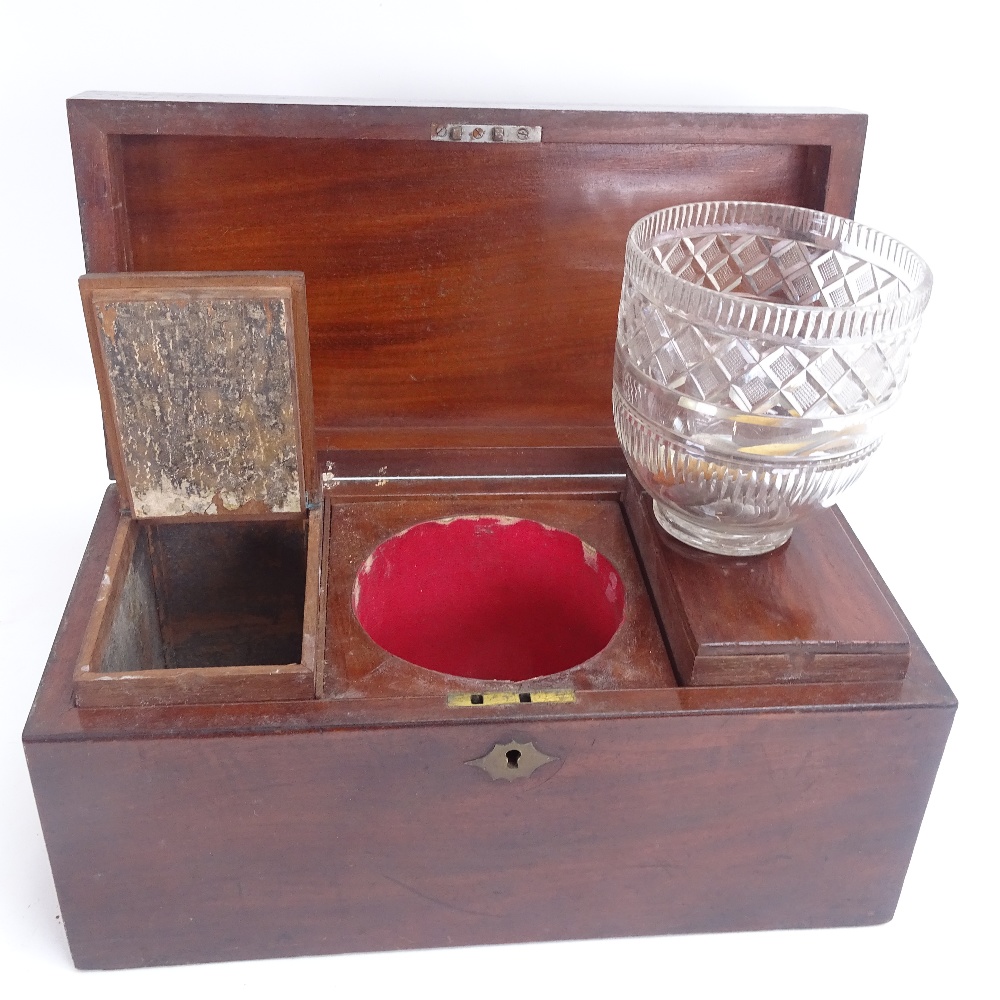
x=486, y=133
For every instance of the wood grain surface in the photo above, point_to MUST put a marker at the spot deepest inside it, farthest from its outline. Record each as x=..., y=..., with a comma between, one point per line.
x=459, y=294
x=809, y=611
x=223, y=848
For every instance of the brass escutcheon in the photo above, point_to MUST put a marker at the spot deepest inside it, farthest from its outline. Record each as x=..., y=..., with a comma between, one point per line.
x=510, y=761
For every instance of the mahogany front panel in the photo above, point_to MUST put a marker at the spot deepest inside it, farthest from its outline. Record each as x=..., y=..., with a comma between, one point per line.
x=191, y=850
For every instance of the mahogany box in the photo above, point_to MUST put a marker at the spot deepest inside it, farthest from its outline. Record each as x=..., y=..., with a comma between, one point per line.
x=375, y=643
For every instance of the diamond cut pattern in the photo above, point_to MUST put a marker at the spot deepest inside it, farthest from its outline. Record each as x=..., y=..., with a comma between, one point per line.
x=829, y=269
x=801, y=394
x=803, y=377
x=754, y=375
x=778, y=270
x=827, y=369
x=737, y=357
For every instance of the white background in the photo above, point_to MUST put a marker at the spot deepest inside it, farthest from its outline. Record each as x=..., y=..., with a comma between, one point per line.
x=925, y=510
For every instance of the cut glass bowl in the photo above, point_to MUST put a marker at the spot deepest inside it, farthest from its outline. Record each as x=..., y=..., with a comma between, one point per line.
x=759, y=347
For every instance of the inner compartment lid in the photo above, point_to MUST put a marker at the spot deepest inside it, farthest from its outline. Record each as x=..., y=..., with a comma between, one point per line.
x=205, y=388
x=464, y=265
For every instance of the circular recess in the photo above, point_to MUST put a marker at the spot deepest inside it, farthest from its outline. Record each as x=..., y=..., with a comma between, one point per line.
x=490, y=598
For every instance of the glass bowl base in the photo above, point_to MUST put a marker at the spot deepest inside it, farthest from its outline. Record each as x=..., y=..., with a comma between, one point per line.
x=710, y=536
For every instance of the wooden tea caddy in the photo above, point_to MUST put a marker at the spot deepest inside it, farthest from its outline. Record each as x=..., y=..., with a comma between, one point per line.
x=753, y=749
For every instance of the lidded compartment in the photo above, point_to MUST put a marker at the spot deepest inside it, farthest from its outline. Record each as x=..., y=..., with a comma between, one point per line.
x=210, y=592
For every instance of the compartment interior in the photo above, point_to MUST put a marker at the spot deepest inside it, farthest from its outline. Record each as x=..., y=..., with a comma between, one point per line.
x=209, y=594
x=489, y=597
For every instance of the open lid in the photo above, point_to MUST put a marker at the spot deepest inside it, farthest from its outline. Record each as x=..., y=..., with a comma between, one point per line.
x=464, y=265
x=205, y=387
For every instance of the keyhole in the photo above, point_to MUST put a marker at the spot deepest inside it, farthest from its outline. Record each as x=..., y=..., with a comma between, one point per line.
x=513, y=756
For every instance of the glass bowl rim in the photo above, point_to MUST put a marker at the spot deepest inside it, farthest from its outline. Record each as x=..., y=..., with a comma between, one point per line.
x=729, y=311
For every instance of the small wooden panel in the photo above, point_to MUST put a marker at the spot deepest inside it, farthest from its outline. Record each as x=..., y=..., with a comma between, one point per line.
x=807, y=612
x=203, y=390
x=134, y=633
x=635, y=657
x=196, y=686
x=113, y=639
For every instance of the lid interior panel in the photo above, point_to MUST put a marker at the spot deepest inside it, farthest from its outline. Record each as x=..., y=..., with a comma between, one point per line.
x=459, y=294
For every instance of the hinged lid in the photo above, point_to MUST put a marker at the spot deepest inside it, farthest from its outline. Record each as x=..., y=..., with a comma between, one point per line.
x=463, y=290
x=205, y=388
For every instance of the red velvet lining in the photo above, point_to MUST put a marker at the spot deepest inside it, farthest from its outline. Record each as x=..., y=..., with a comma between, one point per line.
x=489, y=598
